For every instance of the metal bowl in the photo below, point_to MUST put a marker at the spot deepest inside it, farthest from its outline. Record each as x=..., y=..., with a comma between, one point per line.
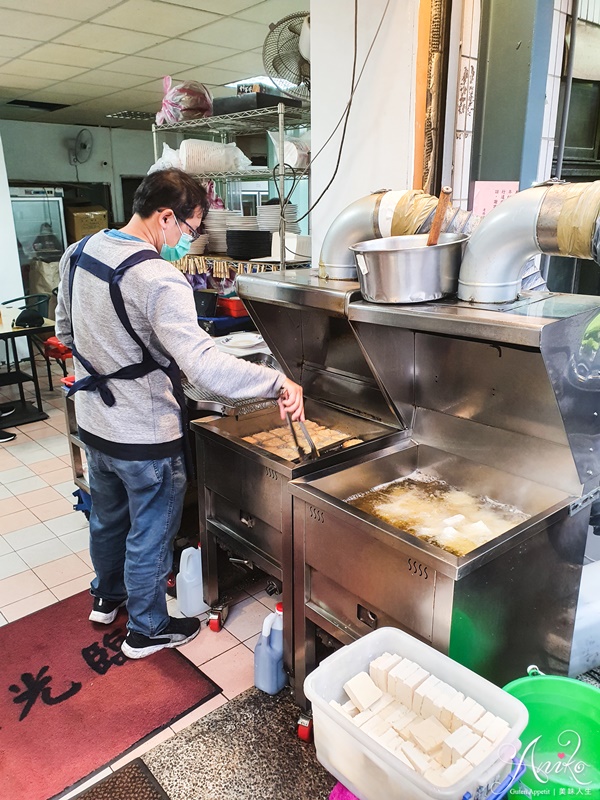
x=402, y=269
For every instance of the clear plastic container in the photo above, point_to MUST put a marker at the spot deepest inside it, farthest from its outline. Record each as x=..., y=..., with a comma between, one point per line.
x=364, y=766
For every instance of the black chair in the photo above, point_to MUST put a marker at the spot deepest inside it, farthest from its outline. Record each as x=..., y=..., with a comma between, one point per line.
x=39, y=302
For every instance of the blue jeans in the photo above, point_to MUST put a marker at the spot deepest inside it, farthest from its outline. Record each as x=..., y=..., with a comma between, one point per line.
x=136, y=513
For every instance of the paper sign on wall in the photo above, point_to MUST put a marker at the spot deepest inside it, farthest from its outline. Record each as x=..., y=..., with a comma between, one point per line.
x=489, y=194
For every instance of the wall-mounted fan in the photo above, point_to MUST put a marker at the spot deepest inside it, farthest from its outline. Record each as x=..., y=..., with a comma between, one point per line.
x=81, y=147
x=286, y=55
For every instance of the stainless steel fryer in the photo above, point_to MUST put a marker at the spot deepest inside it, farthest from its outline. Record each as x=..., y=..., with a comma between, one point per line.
x=243, y=498
x=495, y=401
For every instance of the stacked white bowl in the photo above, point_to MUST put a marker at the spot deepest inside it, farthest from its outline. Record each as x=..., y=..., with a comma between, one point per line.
x=242, y=223
x=269, y=216
x=216, y=228
x=198, y=246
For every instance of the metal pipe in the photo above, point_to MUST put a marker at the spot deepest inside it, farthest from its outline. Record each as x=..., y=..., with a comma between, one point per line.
x=281, y=114
x=355, y=223
x=567, y=94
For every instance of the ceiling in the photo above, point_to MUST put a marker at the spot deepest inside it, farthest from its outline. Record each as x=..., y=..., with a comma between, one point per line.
x=104, y=56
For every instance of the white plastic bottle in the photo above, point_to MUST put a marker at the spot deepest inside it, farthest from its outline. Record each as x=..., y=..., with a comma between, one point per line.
x=269, y=674
x=189, y=583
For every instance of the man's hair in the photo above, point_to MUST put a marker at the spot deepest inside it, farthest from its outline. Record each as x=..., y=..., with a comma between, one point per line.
x=170, y=188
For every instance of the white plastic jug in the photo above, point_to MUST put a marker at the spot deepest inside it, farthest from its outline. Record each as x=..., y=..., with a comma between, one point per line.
x=269, y=674
x=189, y=583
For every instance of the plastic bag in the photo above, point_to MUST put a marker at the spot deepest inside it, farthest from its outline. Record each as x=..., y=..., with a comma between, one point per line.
x=189, y=100
x=214, y=201
x=169, y=160
x=200, y=156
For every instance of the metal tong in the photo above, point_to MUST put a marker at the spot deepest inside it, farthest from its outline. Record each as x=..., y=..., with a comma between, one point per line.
x=314, y=453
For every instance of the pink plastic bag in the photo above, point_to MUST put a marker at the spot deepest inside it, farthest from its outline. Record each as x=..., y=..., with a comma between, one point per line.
x=189, y=100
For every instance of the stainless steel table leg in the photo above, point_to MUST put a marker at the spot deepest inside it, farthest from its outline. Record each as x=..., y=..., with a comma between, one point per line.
x=34, y=375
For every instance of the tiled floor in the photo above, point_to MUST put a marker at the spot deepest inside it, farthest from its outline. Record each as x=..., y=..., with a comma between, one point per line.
x=44, y=558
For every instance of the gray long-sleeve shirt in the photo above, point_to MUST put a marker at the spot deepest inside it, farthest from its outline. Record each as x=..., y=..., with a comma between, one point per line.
x=160, y=305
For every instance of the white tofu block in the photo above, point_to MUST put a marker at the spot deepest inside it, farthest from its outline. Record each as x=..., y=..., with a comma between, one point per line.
x=478, y=527
x=341, y=709
x=362, y=717
x=399, y=673
x=448, y=706
x=484, y=722
x=428, y=706
x=401, y=721
x=392, y=709
x=473, y=714
x=379, y=668
x=449, y=532
x=457, y=771
x=362, y=691
x=405, y=690
x=375, y=727
x=455, y=520
x=457, y=745
x=423, y=690
x=440, y=703
x=350, y=709
x=390, y=740
x=380, y=705
x=398, y=752
x=419, y=760
x=460, y=712
x=480, y=752
x=428, y=734
x=497, y=730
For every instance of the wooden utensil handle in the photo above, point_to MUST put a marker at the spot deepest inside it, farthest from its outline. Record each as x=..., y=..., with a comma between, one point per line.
x=440, y=213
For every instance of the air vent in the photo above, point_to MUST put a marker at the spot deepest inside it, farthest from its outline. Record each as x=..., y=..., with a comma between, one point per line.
x=139, y=115
x=38, y=106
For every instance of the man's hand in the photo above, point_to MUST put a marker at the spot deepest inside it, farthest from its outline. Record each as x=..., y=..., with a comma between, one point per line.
x=291, y=400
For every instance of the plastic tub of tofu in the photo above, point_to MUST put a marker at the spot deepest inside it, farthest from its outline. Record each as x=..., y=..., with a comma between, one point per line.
x=396, y=719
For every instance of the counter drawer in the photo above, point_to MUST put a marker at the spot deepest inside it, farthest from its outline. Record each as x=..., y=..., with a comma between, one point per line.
x=258, y=534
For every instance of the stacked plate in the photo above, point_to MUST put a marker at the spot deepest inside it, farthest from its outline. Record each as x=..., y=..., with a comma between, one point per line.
x=268, y=218
x=199, y=245
x=216, y=228
x=242, y=223
x=247, y=244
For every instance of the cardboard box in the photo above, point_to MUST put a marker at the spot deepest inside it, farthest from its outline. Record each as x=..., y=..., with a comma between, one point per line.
x=83, y=220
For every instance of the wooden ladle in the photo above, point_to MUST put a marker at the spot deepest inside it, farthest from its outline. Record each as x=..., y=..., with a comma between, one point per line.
x=440, y=213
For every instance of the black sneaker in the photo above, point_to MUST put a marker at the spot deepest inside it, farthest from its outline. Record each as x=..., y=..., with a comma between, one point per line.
x=6, y=411
x=5, y=436
x=177, y=632
x=105, y=611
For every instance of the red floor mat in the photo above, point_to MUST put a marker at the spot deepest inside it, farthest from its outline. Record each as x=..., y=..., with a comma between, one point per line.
x=70, y=702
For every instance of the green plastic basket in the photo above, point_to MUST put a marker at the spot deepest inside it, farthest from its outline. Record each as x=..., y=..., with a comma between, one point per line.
x=561, y=744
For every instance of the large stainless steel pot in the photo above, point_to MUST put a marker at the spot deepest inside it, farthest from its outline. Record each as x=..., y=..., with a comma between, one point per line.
x=402, y=269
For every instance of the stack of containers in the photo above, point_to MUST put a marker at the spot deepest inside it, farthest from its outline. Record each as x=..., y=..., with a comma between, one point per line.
x=362, y=756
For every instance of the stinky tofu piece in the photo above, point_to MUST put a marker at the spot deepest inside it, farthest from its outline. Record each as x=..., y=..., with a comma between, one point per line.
x=497, y=731
x=389, y=711
x=483, y=722
x=428, y=734
x=405, y=690
x=479, y=752
x=340, y=708
x=379, y=669
x=261, y=436
x=352, y=443
x=466, y=713
x=350, y=708
x=457, y=771
x=402, y=721
x=362, y=718
x=436, y=777
x=457, y=745
x=422, y=691
x=428, y=706
x=390, y=740
x=401, y=757
x=250, y=439
x=362, y=691
x=399, y=673
x=376, y=726
x=419, y=760
x=441, y=702
x=448, y=712
x=455, y=520
x=380, y=705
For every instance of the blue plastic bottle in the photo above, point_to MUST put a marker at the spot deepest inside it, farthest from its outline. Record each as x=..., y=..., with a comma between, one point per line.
x=269, y=674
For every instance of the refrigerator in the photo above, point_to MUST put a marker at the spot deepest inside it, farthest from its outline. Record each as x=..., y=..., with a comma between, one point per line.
x=41, y=236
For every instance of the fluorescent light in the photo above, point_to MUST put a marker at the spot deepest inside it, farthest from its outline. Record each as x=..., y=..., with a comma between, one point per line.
x=283, y=84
